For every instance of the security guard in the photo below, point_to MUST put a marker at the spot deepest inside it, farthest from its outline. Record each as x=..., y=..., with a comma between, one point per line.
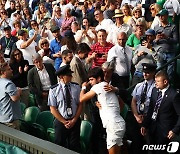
x=140, y=104
x=65, y=106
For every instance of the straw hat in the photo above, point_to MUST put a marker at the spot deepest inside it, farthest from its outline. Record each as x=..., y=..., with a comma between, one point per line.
x=118, y=13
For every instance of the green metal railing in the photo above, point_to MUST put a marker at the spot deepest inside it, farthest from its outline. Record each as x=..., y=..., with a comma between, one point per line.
x=30, y=144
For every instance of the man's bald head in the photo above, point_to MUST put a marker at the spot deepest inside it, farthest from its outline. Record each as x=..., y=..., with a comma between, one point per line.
x=122, y=38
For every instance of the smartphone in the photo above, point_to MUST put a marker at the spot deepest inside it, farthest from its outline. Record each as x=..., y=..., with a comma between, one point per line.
x=99, y=55
x=81, y=3
x=145, y=53
x=83, y=27
x=142, y=39
x=159, y=32
x=18, y=12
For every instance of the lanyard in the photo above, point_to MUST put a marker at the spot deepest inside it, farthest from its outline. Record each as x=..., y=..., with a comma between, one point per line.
x=148, y=87
x=7, y=42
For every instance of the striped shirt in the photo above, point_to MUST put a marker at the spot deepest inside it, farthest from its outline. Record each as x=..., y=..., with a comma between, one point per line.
x=100, y=50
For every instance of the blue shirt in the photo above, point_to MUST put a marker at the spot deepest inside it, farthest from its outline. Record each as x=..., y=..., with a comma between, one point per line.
x=55, y=47
x=137, y=92
x=9, y=110
x=56, y=98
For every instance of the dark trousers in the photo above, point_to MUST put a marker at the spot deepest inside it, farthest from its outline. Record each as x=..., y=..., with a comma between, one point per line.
x=98, y=136
x=133, y=133
x=68, y=138
x=158, y=138
x=125, y=81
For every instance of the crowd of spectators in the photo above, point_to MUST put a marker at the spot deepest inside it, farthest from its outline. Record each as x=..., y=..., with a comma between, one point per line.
x=38, y=37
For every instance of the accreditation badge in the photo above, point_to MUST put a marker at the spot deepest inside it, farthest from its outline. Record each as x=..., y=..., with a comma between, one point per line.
x=69, y=111
x=7, y=51
x=141, y=107
x=154, y=115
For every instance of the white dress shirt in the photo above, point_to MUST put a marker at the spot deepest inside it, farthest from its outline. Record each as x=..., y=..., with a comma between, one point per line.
x=105, y=24
x=44, y=78
x=122, y=68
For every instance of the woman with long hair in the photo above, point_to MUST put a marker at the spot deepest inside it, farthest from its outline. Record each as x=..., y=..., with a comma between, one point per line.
x=155, y=8
x=20, y=68
x=86, y=34
x=41, y=14
x=27, y=15
x=127, y=13
x=68, y=42
x=4, y=20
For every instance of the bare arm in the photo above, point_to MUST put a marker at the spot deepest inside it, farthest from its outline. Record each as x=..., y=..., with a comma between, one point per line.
x=86, y=96
x=139, y=118
x=57, y=115
x=28, y=42
x=16, y=97
x=43, y=33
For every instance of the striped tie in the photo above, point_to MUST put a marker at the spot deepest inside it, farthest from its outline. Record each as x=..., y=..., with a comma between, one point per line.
x=158, y=102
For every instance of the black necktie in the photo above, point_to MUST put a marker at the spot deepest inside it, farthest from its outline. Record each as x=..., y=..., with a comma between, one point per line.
x=67, y=96
x=143, y=95
x=126, y=60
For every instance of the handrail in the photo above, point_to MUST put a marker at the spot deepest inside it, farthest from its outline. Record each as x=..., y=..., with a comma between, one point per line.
x=30, y=143
x=172, y=60
x=160, y=68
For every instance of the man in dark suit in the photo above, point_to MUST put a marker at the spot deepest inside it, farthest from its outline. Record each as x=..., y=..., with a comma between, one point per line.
x=163, y=117
x=40, y=78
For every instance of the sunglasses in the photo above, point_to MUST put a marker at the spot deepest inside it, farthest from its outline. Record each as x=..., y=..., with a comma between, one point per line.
x=58, y=10
x=17, y=6
x=34, y=24
x=96, y=14
x=16, y=54
x=44, y=43
x=139, y=25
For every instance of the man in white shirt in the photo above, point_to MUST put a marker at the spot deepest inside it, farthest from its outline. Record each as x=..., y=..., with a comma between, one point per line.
x=103, y=23
x=27, y=45
x=122, y=55
x=118, y=27
x=109, y=111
